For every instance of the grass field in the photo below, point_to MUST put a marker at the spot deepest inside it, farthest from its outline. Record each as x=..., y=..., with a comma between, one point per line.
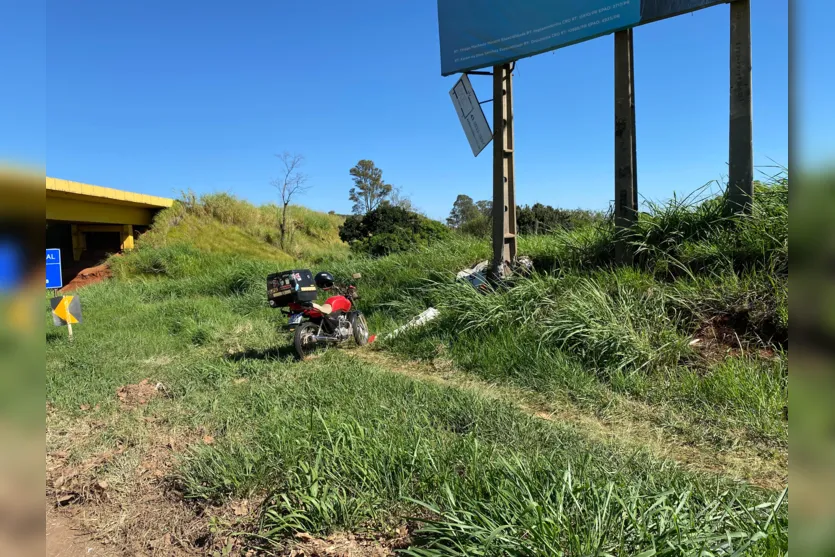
x=588, y=410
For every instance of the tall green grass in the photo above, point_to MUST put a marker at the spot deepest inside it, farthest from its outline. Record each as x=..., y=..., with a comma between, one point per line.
x=681, y=237
x=588, y=337
x=338, y=444
x=705, y=289
x=585, y=327
x=344, y=446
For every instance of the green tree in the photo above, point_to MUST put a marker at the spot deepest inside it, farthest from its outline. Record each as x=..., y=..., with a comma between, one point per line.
x=471, y=217
x=463, y=210
x=369, y=190
x=485, y=208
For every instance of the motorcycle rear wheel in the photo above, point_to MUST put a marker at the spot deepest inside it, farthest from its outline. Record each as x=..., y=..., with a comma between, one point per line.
x=304, y=339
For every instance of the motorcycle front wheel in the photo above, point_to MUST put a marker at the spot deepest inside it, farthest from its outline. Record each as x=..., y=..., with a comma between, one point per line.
x=304, y=339
x=360, y=330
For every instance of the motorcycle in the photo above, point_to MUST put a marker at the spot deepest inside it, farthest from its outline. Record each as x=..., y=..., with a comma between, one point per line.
x=335, y=322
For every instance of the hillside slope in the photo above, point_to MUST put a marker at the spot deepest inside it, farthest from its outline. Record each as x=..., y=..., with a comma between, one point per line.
x=222, y=223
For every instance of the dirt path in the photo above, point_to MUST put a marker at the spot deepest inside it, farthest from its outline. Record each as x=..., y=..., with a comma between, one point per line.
x=66, y=538
x=629, y=424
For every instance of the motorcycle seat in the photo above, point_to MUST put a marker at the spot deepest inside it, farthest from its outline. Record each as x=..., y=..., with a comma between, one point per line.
x=325, y=309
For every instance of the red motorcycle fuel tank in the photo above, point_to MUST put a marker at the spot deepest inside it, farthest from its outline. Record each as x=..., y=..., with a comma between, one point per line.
x=338, y=303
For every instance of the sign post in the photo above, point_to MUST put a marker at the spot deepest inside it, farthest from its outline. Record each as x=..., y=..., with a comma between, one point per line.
x=54, y=279
x=504, y=194
x=740, y=135
x=626, y=194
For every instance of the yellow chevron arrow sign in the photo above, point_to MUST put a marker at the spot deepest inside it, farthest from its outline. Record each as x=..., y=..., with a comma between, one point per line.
x=66, y=310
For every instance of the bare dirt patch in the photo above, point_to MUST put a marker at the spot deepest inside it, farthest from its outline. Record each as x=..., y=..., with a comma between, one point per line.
x=64, y=537
x=721, y=336
x=139, y=393
x=346, y=545
x=90, y=275
x=118, y=499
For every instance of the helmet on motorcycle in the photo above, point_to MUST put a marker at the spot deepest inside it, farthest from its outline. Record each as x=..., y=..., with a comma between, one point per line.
x=324, y=280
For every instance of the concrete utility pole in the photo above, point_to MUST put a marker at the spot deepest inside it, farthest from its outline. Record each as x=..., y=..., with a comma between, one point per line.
x=504, y=187
x=740, y=134
x=626, y=176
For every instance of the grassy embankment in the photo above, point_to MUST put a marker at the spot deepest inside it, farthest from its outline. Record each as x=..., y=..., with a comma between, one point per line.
x=543, y=419
x=221, y=223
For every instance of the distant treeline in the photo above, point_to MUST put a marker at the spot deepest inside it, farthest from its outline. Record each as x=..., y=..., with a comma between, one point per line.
x=475, y=217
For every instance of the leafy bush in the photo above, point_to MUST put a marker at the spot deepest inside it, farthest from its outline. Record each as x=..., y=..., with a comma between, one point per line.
x=480, y=226
x=390, y=229
x=544, y=219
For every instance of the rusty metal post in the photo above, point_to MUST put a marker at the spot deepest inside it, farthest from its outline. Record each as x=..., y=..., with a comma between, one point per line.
x=626, y=183
x=740, y=133
x=504, y=194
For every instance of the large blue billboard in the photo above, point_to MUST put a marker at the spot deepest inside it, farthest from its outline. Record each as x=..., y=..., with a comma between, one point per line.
x=652, y=10
x=479, y=33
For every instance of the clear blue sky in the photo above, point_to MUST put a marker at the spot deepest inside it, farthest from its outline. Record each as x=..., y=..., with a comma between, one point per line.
x=159, y=96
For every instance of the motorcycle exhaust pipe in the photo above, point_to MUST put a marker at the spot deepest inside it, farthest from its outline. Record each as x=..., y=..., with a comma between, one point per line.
x=325, y=339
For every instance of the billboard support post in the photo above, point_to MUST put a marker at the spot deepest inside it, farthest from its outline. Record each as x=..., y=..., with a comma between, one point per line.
x=626, y=185
x=504, y=194
x=740, y=133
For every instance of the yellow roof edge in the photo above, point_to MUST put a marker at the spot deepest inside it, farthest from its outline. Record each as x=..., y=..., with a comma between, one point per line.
x=68, y=186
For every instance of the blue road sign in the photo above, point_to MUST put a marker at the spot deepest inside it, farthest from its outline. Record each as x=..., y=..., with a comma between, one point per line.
x=53, y=269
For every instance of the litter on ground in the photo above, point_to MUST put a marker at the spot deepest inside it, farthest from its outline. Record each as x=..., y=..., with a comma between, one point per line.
x=477, y=275
x=419, y=320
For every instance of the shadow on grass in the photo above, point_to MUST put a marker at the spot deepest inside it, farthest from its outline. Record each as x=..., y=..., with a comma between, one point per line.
x=274, y=353
x=55, y=335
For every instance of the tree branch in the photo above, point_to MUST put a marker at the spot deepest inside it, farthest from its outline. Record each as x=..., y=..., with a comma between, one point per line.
x=293, y=181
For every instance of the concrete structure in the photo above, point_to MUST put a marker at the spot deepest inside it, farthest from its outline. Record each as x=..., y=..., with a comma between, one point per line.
x=96, y=219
